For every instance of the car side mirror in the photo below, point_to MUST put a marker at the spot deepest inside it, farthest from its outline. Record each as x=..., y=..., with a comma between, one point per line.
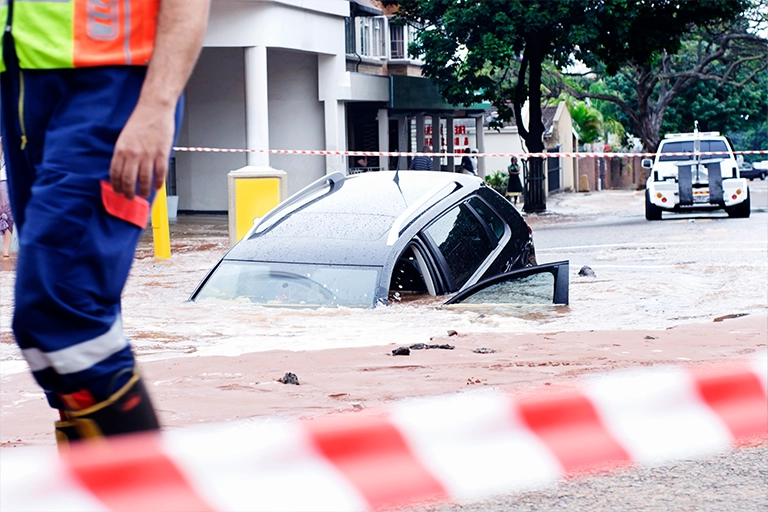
x=646, y=163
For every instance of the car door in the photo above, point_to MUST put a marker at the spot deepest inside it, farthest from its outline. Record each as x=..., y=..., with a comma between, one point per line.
x=540, y=285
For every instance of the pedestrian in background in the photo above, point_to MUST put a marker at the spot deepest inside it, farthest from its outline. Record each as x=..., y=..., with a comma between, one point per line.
x=6, y=217
x=100, y=95
x=422, y=163
x=514, y=185
x=467, y=167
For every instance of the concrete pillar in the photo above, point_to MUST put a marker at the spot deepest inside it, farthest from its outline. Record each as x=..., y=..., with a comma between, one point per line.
x=256, y=105
x=403, y=125
x=383, y=119
x=480, y=137
x=334, y=120
x=450, y=146
x=419, y=132
x=329, y=68
x=436, y=141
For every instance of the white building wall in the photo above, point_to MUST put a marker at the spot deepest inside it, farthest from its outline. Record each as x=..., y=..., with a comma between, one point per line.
x=296, y=116
x=308, y=25
x=565, y=132
x=506, y=141
x=214, y=117
x=301, y=114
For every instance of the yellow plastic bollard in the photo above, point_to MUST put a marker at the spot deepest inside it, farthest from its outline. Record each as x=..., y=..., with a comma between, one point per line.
x=253, y=191
x=161, y=234
x=255, y=197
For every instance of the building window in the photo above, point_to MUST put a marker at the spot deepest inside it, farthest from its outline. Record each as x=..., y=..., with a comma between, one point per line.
x=349, y=35
x=372, y=36
x=400, y=36
x=397, y=41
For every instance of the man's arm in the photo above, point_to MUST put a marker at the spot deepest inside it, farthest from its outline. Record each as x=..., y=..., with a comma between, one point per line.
x=143, y=147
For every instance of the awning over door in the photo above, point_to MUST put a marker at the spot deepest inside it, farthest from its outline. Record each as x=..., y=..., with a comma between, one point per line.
x=414, y=94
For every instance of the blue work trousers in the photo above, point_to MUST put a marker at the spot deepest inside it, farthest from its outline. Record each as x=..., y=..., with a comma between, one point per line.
x=75, y=252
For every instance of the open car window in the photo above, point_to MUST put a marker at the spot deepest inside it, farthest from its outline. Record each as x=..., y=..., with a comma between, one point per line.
x=540, y=285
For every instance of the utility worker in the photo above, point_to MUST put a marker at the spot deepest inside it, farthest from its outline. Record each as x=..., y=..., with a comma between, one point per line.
x=90, y=106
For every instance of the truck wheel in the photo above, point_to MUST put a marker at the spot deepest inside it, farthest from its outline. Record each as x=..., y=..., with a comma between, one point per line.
x=741, y=210
x=762, y=175
x=652, y=212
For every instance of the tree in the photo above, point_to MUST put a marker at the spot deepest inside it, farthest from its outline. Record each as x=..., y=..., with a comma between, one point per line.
x=716, y=73
x=470, y=48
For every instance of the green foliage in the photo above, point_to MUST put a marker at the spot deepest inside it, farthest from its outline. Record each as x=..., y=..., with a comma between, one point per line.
x=718, y=77
x=588, y=121
x=498, y=181
x=492, y=50
x=635, y=33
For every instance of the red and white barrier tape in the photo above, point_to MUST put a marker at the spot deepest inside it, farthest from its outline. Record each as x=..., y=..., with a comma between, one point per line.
x=456, y=155
x=463, y=446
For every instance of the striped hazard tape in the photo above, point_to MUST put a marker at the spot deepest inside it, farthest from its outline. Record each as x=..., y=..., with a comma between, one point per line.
x=458, y=155
x=458, y=447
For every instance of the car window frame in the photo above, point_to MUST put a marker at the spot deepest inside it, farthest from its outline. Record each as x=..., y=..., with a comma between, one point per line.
x=497, y=244
x=432, y=278
x=437, y=254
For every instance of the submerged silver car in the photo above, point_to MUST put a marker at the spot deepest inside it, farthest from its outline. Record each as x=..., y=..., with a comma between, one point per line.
x=362, y=240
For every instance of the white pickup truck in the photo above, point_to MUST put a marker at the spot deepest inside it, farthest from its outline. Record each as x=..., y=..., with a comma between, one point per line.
x=693, y=172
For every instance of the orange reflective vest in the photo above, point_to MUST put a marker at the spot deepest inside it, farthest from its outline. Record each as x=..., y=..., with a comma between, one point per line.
x=56, y=34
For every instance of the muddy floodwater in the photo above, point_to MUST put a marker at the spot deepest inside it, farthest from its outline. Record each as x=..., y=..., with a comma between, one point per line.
x=647, y=276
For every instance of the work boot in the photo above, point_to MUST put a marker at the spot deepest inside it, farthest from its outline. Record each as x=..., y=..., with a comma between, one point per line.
x=127, y=410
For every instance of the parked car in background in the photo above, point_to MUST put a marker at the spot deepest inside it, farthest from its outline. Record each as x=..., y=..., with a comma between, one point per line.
x=748, y=171
x=694, y=172
x=368, y=239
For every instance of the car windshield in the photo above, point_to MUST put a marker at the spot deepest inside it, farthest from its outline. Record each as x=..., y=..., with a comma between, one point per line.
x=687, y=147
x=290, y=285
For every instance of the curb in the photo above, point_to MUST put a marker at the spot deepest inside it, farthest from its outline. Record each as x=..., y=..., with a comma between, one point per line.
x=458, y=447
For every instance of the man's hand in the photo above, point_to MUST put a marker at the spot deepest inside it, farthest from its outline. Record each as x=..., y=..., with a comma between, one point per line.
x=142, y=151
x=144, y=145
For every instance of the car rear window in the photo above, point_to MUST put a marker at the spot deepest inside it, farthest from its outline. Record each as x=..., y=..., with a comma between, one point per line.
x=686, y=146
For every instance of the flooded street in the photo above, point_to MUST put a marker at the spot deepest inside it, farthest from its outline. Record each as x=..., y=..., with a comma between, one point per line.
x=658, y=294
x=686, y=290
x=648, y=275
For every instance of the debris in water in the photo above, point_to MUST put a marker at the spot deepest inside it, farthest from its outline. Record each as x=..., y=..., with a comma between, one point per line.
x=483, y=350
x=727, y=317
x=401, y=351
x=649, y=337
x=585, y=271
x=290, y=378
x=452, y=333
x=424, y=346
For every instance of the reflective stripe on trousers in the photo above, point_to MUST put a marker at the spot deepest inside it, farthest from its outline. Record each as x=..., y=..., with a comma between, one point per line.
x=74, y=256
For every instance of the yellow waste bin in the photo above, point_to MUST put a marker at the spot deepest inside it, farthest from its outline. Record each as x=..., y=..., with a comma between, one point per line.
x=253, y=191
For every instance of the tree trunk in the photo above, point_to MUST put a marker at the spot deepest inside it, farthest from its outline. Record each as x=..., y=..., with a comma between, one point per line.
x=535, y=193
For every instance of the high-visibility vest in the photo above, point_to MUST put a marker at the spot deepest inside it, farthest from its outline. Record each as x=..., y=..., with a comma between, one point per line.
x=56, y=34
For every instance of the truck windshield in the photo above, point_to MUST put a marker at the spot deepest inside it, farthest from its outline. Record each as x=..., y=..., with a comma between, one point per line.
x=687, y=147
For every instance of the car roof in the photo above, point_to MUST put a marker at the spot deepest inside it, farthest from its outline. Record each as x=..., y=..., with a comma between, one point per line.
x=353, y=224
